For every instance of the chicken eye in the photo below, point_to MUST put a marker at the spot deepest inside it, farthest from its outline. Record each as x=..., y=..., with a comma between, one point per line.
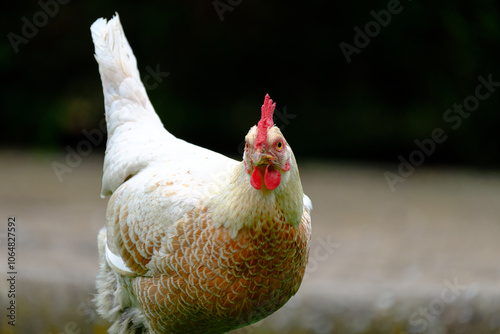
x=279, y=145
x=246, y=145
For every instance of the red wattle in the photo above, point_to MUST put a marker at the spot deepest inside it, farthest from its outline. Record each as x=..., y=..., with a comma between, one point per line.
x=272, y=178
x=256, y=180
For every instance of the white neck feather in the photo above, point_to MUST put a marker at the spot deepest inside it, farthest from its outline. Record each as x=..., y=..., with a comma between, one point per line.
x=238, y=205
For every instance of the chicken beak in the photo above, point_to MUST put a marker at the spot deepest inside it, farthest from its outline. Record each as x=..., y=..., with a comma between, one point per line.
x=259, y=158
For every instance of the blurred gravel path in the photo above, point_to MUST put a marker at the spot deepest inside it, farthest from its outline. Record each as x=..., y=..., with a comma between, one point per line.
x=422, y=259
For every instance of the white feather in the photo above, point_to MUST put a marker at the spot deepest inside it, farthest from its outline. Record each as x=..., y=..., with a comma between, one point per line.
x=308, y=206
x=136, y=137
x=117, y=264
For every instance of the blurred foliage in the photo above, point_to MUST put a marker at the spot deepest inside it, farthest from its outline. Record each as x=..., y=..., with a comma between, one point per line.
x=395, y=90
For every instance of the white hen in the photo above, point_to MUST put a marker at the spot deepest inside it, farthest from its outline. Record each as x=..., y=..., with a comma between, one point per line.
x=194, y=242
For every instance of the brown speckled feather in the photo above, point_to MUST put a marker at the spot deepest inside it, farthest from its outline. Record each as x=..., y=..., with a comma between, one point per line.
x=219, y=283
x=193, y=276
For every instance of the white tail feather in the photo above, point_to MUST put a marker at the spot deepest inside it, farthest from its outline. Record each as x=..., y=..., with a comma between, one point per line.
x=114, y=55
x=134, y=129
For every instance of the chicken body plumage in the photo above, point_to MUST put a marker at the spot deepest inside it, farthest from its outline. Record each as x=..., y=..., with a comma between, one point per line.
x=190, y=244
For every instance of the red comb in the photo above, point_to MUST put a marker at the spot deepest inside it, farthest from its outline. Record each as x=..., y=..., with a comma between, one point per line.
x=266, y=121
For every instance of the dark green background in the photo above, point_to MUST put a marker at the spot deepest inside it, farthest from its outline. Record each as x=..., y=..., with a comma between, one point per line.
x=393, y=92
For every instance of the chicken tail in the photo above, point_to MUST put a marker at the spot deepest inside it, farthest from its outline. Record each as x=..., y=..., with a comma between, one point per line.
x=132, y=123
x=116, y=60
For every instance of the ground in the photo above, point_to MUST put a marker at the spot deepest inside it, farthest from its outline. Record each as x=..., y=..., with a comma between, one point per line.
x=423, y=258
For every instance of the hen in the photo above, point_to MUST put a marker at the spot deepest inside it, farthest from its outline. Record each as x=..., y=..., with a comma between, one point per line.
x=194, y=242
